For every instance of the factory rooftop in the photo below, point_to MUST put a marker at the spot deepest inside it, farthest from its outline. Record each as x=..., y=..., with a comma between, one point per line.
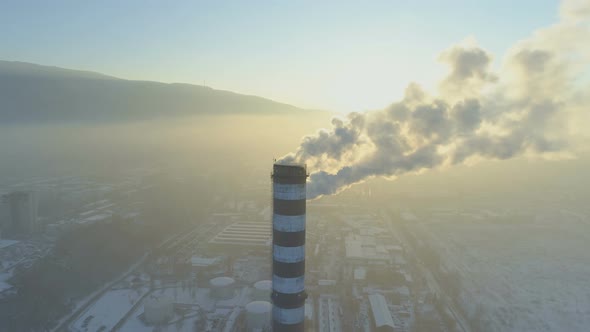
x=365, y=248
x=244, y=233
x=381, y=313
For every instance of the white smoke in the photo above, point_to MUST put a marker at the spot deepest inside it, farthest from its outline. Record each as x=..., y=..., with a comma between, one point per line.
x=525, y=108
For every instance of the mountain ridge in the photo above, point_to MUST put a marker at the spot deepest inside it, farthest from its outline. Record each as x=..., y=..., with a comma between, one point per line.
x=33, y=93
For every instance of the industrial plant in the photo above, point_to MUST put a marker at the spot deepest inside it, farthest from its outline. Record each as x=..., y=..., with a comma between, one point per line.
x=243, y=266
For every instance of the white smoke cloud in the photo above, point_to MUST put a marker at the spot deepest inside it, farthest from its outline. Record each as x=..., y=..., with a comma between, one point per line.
x=525, y=108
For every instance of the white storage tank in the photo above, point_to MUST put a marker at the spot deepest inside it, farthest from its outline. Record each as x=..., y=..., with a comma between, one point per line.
x=222, y=288
x=262, y=290
x=258, y=315
x=158, y=309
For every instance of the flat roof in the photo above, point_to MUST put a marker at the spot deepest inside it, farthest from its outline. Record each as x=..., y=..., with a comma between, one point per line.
x=380, y=310
x=326, y=282
x=203, y=261
x=365, y=248
x=245, y=233
x=360, y=273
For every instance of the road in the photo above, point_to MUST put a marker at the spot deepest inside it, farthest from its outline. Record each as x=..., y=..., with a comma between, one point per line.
x=433, y=284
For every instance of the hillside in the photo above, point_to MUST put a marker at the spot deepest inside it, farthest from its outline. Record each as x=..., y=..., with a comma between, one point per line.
x=31, y=93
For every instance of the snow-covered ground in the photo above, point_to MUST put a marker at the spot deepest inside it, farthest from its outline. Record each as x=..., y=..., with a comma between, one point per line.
x=4, y=285
x=525, y=272
x=108, y=310
x=203, y=309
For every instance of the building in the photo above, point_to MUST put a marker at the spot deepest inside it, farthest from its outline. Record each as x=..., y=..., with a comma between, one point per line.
x=288, y=265
x=381, y=315
x=244, y=233
x=364, y=249
x=22, y=213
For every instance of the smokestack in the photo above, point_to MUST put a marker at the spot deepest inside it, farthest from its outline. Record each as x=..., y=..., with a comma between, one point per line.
x=288, y=247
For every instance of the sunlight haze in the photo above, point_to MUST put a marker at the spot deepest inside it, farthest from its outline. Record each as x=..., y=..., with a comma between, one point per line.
x=294, y=166
x=334, y=55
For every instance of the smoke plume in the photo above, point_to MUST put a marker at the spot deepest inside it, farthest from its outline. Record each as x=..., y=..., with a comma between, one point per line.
x=524, y=108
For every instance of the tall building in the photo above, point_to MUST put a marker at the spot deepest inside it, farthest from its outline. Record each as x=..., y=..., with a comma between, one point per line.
x=288, y=252
x=22, y=213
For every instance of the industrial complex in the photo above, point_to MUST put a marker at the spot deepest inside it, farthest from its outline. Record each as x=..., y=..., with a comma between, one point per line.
x=244, y=265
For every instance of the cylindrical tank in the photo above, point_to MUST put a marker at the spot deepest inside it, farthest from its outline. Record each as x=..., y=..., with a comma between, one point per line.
x=262, y=290
x=258, y=315
x=222, y=288
x=158, y=309
x=288, y=250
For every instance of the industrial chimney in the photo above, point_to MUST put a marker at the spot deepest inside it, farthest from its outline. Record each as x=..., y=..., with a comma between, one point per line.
x=288, y=247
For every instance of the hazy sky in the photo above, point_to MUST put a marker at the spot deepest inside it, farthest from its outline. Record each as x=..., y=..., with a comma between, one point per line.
x=334, y=55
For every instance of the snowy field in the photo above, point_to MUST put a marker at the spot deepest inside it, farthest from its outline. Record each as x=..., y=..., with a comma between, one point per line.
x=204, y=309
x=4, y=285
x=525, y=272
x=108, y=310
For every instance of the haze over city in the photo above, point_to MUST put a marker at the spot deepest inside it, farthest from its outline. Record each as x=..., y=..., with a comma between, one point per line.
x=428, y=166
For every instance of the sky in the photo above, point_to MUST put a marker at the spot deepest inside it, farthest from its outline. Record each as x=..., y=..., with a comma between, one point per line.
x=336, y=55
